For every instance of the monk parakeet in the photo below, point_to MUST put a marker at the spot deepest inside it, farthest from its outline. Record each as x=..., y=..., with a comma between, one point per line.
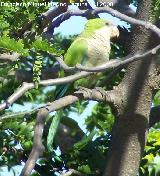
x=91, y=48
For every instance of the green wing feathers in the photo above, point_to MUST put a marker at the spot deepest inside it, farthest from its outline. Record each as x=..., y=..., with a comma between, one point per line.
x=76, y=52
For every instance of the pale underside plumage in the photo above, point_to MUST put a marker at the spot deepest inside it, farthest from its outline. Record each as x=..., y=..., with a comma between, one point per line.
x=91, y=51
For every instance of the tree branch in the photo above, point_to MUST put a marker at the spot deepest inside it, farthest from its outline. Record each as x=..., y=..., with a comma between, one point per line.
x=28, y=86
x=154, y=115
x=38, y=147
x=9, y=57
x=110, y=64
x=56, y=105
x=106, y=9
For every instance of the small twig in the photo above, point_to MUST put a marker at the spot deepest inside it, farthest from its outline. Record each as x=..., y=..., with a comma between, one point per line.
x=15, y=115
x=62, y=63
x=64, y=80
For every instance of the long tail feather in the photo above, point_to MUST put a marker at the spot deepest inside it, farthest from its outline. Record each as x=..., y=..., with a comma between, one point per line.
x=61, y=90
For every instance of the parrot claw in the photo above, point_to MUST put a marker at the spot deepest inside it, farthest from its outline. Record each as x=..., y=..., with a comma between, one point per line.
x=101, y=90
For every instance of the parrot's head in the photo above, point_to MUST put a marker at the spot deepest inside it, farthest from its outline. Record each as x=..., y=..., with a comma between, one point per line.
x=101, y=27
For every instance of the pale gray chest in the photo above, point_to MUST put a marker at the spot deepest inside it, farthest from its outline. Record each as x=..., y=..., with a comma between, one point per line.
x=98, y=50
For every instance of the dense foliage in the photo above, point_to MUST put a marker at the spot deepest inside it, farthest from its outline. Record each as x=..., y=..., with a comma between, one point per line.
x=88, y=151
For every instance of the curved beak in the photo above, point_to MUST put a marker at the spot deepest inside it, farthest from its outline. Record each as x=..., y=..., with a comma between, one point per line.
x=114, y=32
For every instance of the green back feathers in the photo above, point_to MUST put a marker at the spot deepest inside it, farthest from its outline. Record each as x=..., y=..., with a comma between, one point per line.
x=92, y=25
x=76, y=52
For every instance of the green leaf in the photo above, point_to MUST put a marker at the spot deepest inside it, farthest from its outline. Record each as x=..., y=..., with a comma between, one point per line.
x=29, y=95
x=13, y=45
x=53, y=129
x=156, y=99
x=85, y=169
x=81, y=144
x=101, y=118
x=149, y=157
x=27, y=145
x=44, y=45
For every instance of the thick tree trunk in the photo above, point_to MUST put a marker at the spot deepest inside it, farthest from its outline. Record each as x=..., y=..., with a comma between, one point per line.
x=129, y=132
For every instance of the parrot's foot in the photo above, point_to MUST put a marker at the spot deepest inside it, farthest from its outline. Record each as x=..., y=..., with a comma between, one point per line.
x=85, y=91
x=101, y=90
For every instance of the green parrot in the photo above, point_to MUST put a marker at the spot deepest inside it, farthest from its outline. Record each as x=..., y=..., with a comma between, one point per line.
x=91, y=48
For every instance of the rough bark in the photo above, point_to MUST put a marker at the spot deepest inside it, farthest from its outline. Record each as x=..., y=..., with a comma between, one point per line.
x=129, y=132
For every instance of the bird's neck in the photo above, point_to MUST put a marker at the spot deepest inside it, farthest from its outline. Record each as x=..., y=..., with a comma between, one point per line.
x=102, y=35
x=101, y=38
